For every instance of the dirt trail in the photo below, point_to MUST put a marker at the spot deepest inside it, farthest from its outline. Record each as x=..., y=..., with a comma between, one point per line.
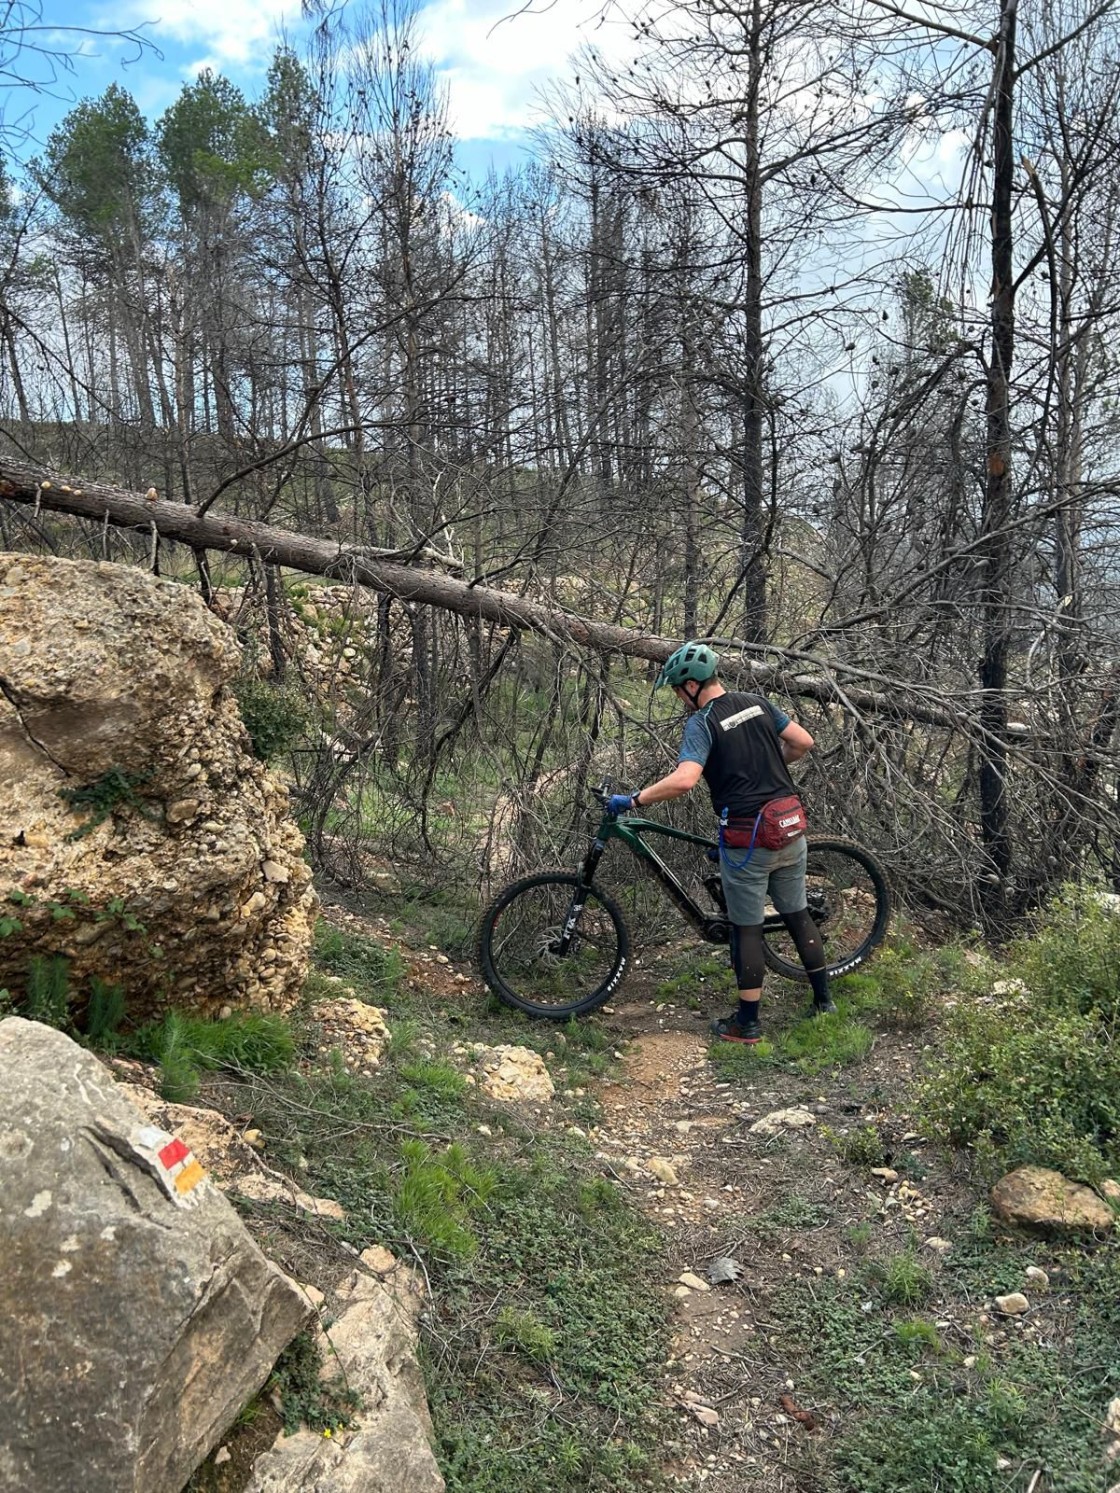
x=678, y=1137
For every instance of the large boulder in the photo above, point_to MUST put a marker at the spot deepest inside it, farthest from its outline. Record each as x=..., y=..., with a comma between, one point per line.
x=177, y=872
x=1035, y=1197
x=137, y=1316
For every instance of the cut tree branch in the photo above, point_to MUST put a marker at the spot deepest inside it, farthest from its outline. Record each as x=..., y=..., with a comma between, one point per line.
x=381, y=570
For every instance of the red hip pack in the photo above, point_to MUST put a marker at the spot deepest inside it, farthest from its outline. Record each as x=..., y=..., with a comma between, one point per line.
x=780, y=822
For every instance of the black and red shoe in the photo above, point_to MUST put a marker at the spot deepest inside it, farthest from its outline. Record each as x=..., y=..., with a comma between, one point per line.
x=731, y=1029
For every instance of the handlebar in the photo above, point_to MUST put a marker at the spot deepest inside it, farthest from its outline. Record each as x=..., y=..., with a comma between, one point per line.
x=602, y=792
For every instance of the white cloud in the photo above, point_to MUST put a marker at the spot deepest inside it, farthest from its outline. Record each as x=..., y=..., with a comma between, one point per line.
x=234, y=33
x=494, y=58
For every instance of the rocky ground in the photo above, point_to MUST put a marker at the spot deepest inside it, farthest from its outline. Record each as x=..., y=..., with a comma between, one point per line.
x=807, y=1184
x=807, y=1229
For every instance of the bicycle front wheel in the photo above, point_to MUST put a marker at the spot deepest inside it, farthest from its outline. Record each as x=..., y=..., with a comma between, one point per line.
x=536, y=958
x=849, y=901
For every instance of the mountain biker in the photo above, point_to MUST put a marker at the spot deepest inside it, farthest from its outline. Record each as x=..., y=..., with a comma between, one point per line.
x=742, y=744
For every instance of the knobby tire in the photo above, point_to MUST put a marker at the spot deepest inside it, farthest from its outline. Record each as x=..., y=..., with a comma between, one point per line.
x=491, y=955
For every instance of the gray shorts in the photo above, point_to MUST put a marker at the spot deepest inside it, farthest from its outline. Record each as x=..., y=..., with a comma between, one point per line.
x=779, y=873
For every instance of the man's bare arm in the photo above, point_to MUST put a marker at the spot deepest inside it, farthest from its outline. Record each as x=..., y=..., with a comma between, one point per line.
x=796, y=741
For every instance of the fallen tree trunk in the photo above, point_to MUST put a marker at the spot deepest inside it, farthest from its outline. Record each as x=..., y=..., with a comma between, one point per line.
x=384, y=571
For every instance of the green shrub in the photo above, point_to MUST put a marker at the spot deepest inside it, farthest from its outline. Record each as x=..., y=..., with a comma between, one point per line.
x=900, y=985
x=47, y=994
x=862, y=1147
x=275, y=716
x=104, y=1013
x=1072, y=959
x=306, y=1397
x=1034, y=1076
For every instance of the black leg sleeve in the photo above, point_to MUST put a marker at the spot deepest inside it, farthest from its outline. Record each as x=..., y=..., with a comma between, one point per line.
x=746, y=956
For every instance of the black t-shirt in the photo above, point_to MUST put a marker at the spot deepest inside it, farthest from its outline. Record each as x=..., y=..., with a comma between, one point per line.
x=743, y=764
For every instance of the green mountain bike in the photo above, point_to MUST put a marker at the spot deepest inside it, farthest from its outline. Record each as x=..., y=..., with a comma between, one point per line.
x=554, y=944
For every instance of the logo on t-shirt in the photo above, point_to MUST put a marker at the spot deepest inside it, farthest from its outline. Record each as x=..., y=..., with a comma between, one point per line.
x=740, y=716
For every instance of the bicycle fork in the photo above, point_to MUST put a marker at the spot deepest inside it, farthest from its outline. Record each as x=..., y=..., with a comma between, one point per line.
x=563, y=944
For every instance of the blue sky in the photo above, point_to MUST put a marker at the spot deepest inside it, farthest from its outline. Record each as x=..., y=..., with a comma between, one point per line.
x=493, y=57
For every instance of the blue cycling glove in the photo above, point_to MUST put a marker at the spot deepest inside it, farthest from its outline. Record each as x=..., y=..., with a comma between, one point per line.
x=619, y=803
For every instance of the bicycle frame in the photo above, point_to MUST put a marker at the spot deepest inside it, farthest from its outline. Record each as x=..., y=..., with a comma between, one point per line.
x=714, y=928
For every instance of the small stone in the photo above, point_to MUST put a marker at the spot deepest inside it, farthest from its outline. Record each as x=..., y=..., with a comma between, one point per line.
x=693, y=1282
x=274, y=871
x=887, y=1173
x=942, y=1246
x=253, y=1138
x=1012, y=1305
x=1110, y=1189
x=484, y=1130
x=705, y=1415
x=256, y=903
x=1036, y=1274
x=662, y=1168
x=378, y=1259
x=225, y=1013
x=778, y=1120
x=182, y=810
x=222, y=1456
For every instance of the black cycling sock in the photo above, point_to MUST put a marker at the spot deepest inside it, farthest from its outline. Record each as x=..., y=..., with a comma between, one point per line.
x=748, y=1012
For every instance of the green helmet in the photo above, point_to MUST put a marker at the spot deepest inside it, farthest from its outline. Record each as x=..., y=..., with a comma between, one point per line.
x=690, y=661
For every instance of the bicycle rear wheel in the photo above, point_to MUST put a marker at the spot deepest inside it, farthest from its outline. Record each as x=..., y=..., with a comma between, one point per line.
x=522, y=953
x=849, y=901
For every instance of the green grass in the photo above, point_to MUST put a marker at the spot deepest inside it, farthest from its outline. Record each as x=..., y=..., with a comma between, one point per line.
x=703, y=975
x=899, y=987
x=1035, y=1076
x=862, y=1147
x=1036, y=1403
x=542, y=1273
x=812, y=1045
x=375, y=972
x=905, y=1280
x=580, y=1267
x=187, y=1046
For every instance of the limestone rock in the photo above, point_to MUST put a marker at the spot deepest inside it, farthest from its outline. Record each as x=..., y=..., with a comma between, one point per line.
x=1038, y=1198
x=512, y=1074
x=1012, y=1305
x=217, y=1144
x=664, y=1170
x=108, y=670
x=228, y=1154
x=137, y=1316
x=373, y=1343
x=778, y=1120
x=354, y=1024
